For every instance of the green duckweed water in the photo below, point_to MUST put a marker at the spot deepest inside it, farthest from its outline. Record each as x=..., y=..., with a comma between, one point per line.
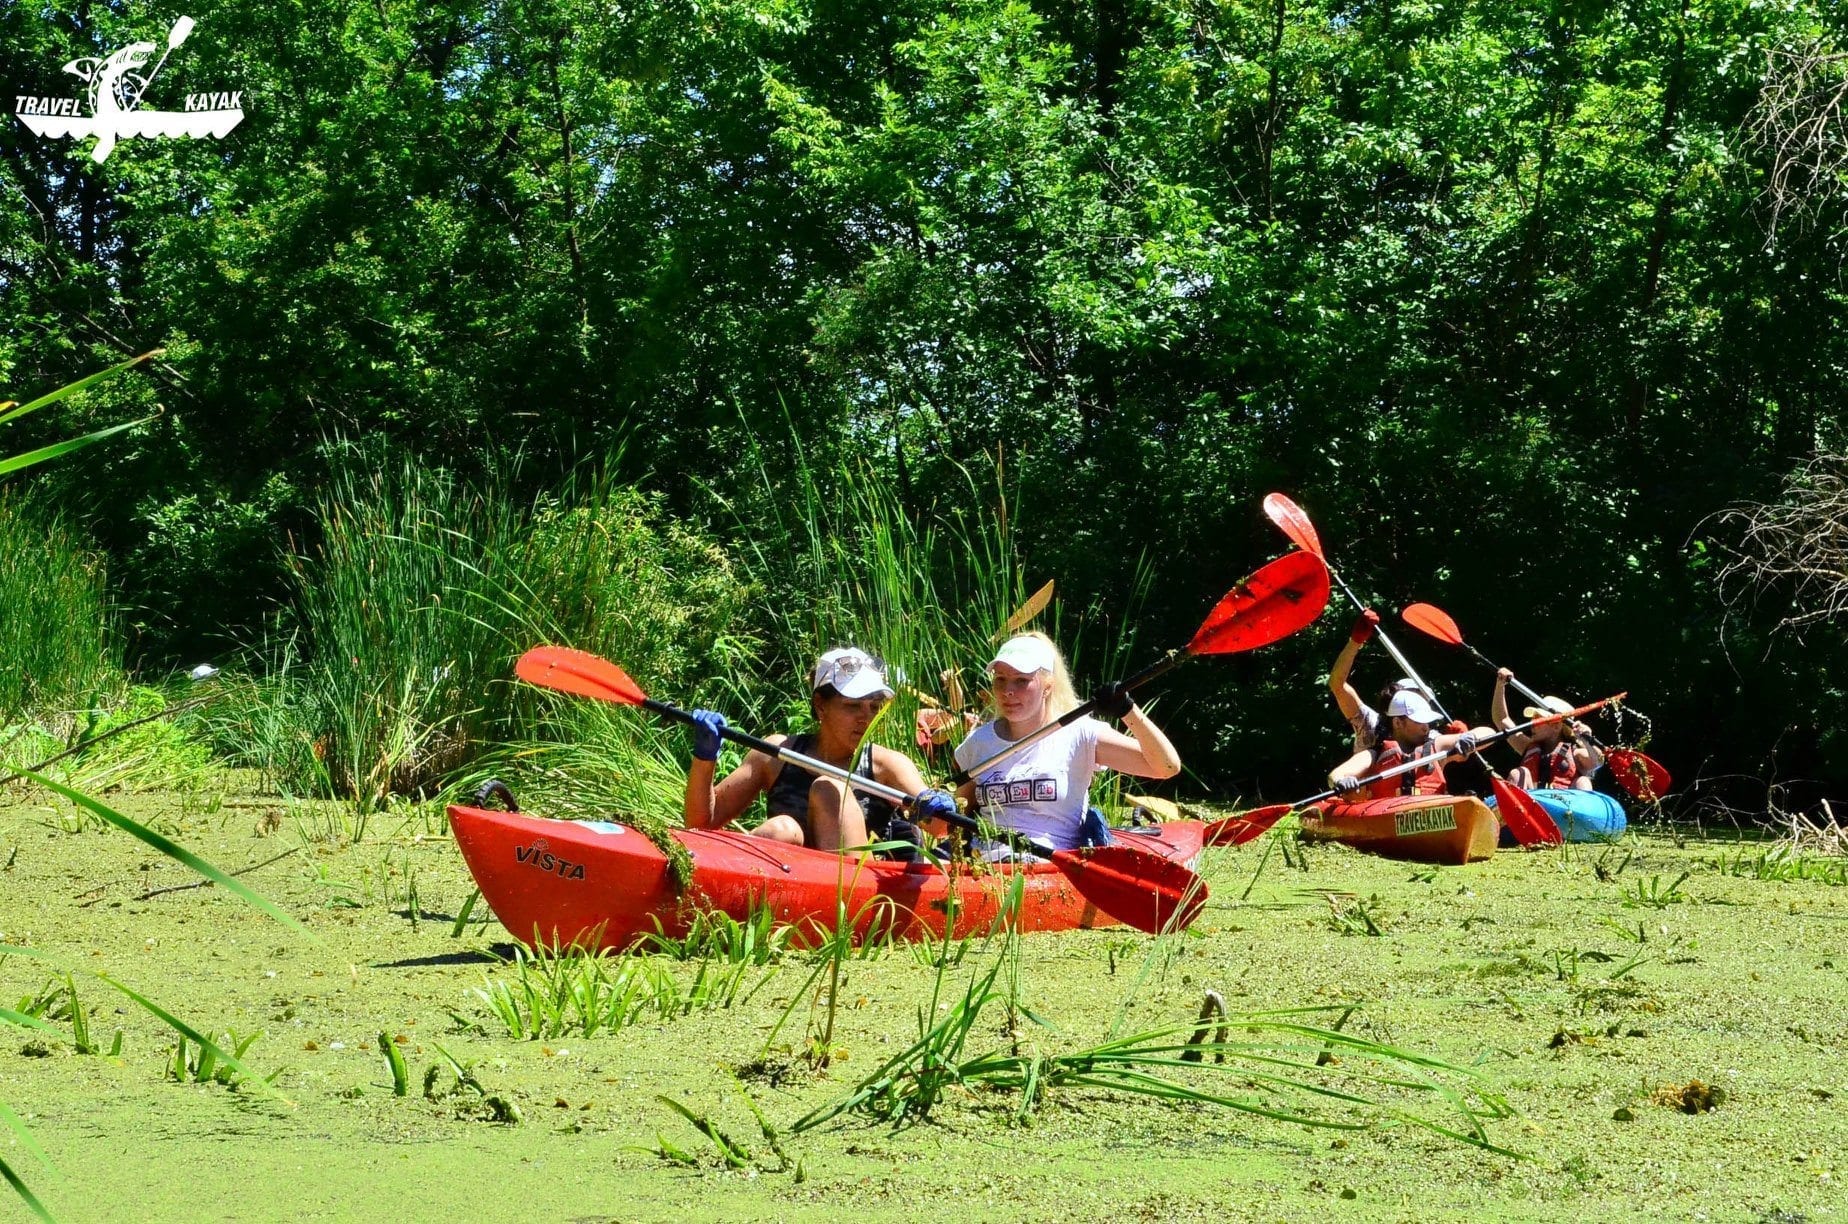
x=1528, y=967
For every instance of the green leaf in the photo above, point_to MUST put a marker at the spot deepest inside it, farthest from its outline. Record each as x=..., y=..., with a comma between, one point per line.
x=70, y=389
x=65, y=447
x=168, y=847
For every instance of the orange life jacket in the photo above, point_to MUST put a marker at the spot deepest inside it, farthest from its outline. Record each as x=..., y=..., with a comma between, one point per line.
x=1425, y=780
x=1556, y=767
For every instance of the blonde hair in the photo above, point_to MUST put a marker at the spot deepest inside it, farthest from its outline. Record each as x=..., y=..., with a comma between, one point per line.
x=1061, y=697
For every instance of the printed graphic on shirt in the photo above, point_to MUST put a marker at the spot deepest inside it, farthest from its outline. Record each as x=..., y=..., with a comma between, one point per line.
x=1020, y=790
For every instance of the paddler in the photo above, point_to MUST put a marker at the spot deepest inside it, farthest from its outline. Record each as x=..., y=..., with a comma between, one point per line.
x=1043, y=791
x=1363, y=718
x=1411, y=734
x=848, y=690
x=1550, y=758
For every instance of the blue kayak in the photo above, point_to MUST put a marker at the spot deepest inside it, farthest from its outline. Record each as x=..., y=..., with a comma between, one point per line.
x=1583, y=815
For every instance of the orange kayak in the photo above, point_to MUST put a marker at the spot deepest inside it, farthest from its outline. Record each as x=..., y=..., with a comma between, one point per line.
x=1447, y=829
x=598, y=884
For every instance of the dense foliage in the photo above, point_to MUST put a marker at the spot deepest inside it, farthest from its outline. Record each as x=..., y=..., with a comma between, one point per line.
x=1491, y=288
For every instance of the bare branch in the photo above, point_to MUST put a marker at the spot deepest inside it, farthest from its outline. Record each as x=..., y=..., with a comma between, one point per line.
x=1795, y=547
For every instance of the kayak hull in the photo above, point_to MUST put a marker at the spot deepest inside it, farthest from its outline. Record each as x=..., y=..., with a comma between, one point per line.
x=1444, y=829
x=598, y=884
x=1583, y=815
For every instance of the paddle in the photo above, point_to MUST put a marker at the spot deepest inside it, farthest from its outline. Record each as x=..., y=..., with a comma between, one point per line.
x=1143, y=890
x=1271, y=604
x=1295, y=524
x=1525, y=819
x=1268, y=816
x=1638, y=774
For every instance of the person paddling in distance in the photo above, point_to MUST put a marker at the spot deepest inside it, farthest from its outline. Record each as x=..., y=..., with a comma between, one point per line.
x=1550, y=757
x=1363, y=718
x=1410, y=735
x=1043, y=791
x=848, y=690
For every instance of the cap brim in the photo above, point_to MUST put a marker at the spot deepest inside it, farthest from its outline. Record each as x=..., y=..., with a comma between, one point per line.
x=864, y=683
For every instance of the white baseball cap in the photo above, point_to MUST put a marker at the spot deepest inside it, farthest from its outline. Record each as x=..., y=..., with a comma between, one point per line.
x=1554, y=705
x=1026, y=654
x=852, y=672
x=1410, y=703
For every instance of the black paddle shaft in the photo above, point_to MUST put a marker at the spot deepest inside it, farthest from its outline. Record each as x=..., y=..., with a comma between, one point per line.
x=1159, y=667
x=812, y=764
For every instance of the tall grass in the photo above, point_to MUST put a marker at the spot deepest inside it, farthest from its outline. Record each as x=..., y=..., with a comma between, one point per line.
x=841, y=554
x=57, y=644
x=423, y=590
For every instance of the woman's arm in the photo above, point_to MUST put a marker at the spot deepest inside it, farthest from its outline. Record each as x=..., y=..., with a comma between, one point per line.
x=1355, y=766
x=1498, y=712
x=1347, y=698
x=711, y=807
x=1144, y=752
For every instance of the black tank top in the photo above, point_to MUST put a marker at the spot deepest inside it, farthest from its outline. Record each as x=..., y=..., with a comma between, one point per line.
x=789, y=794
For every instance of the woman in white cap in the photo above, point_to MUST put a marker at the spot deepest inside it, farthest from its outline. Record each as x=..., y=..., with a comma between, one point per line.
x=1410, y=736
x=1043, y=791
x=848, y=689
x=1549, y=758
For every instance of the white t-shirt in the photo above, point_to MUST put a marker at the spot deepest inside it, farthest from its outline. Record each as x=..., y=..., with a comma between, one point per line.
x=1042, y=790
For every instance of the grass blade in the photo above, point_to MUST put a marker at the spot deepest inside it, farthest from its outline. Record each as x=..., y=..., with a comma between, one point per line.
x=168, y=847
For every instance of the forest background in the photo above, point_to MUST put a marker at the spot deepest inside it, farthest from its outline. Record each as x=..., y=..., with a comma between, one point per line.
x=1517, y=299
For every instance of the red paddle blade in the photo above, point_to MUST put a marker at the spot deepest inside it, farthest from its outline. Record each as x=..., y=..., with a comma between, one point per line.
x=1640, y=776
x=1291, y=520
x=1433, y=621
x=1237, y=830
x=1525, y=819
x=1143, y=890
x=580, y=672
x=1273, y=603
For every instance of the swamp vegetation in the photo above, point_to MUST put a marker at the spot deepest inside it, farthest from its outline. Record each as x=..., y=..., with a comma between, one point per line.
x=706, y=336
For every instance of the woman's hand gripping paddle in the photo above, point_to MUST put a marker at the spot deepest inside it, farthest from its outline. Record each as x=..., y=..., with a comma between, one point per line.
x=1270, y=605
x=1143, y=890
x=1638, y=774
x=1290, y=519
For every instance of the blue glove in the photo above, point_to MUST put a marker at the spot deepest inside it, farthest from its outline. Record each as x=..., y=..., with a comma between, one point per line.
x=708, y=732
x=1466, y=743
x=935, y=805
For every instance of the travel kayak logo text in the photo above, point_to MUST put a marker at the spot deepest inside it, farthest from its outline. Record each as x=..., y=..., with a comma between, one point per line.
x=114, y=98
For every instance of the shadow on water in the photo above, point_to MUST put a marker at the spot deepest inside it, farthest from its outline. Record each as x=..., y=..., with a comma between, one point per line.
x=494, y=954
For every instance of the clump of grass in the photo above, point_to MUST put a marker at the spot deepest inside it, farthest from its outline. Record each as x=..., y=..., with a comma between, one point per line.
x=1654, y=893
x=559, y=993
x=425, y=587
x=57, y=640
x=201, y=1063
x=757, y=939
x=1286, y=1068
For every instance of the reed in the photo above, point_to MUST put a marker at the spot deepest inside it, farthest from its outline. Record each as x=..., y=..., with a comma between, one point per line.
x=58, y=642
x=556, y=993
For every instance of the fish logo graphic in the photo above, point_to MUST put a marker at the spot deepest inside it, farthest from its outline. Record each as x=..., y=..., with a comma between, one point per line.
x=116, y=87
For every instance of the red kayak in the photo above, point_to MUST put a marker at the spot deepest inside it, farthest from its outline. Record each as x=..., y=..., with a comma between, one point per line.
x=598, y=884
x=1447, y=829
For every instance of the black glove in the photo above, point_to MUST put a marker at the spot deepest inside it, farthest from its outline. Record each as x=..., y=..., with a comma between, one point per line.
x=1346, y=786
x=1466, y=744
x=1113, y=700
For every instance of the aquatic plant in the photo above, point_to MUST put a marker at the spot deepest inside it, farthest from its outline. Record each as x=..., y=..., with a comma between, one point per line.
x=554, y=993
x=756, y=939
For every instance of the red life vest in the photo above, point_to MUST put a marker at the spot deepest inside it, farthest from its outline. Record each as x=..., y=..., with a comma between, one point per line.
x=1425, y=780
x=1557, y=767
